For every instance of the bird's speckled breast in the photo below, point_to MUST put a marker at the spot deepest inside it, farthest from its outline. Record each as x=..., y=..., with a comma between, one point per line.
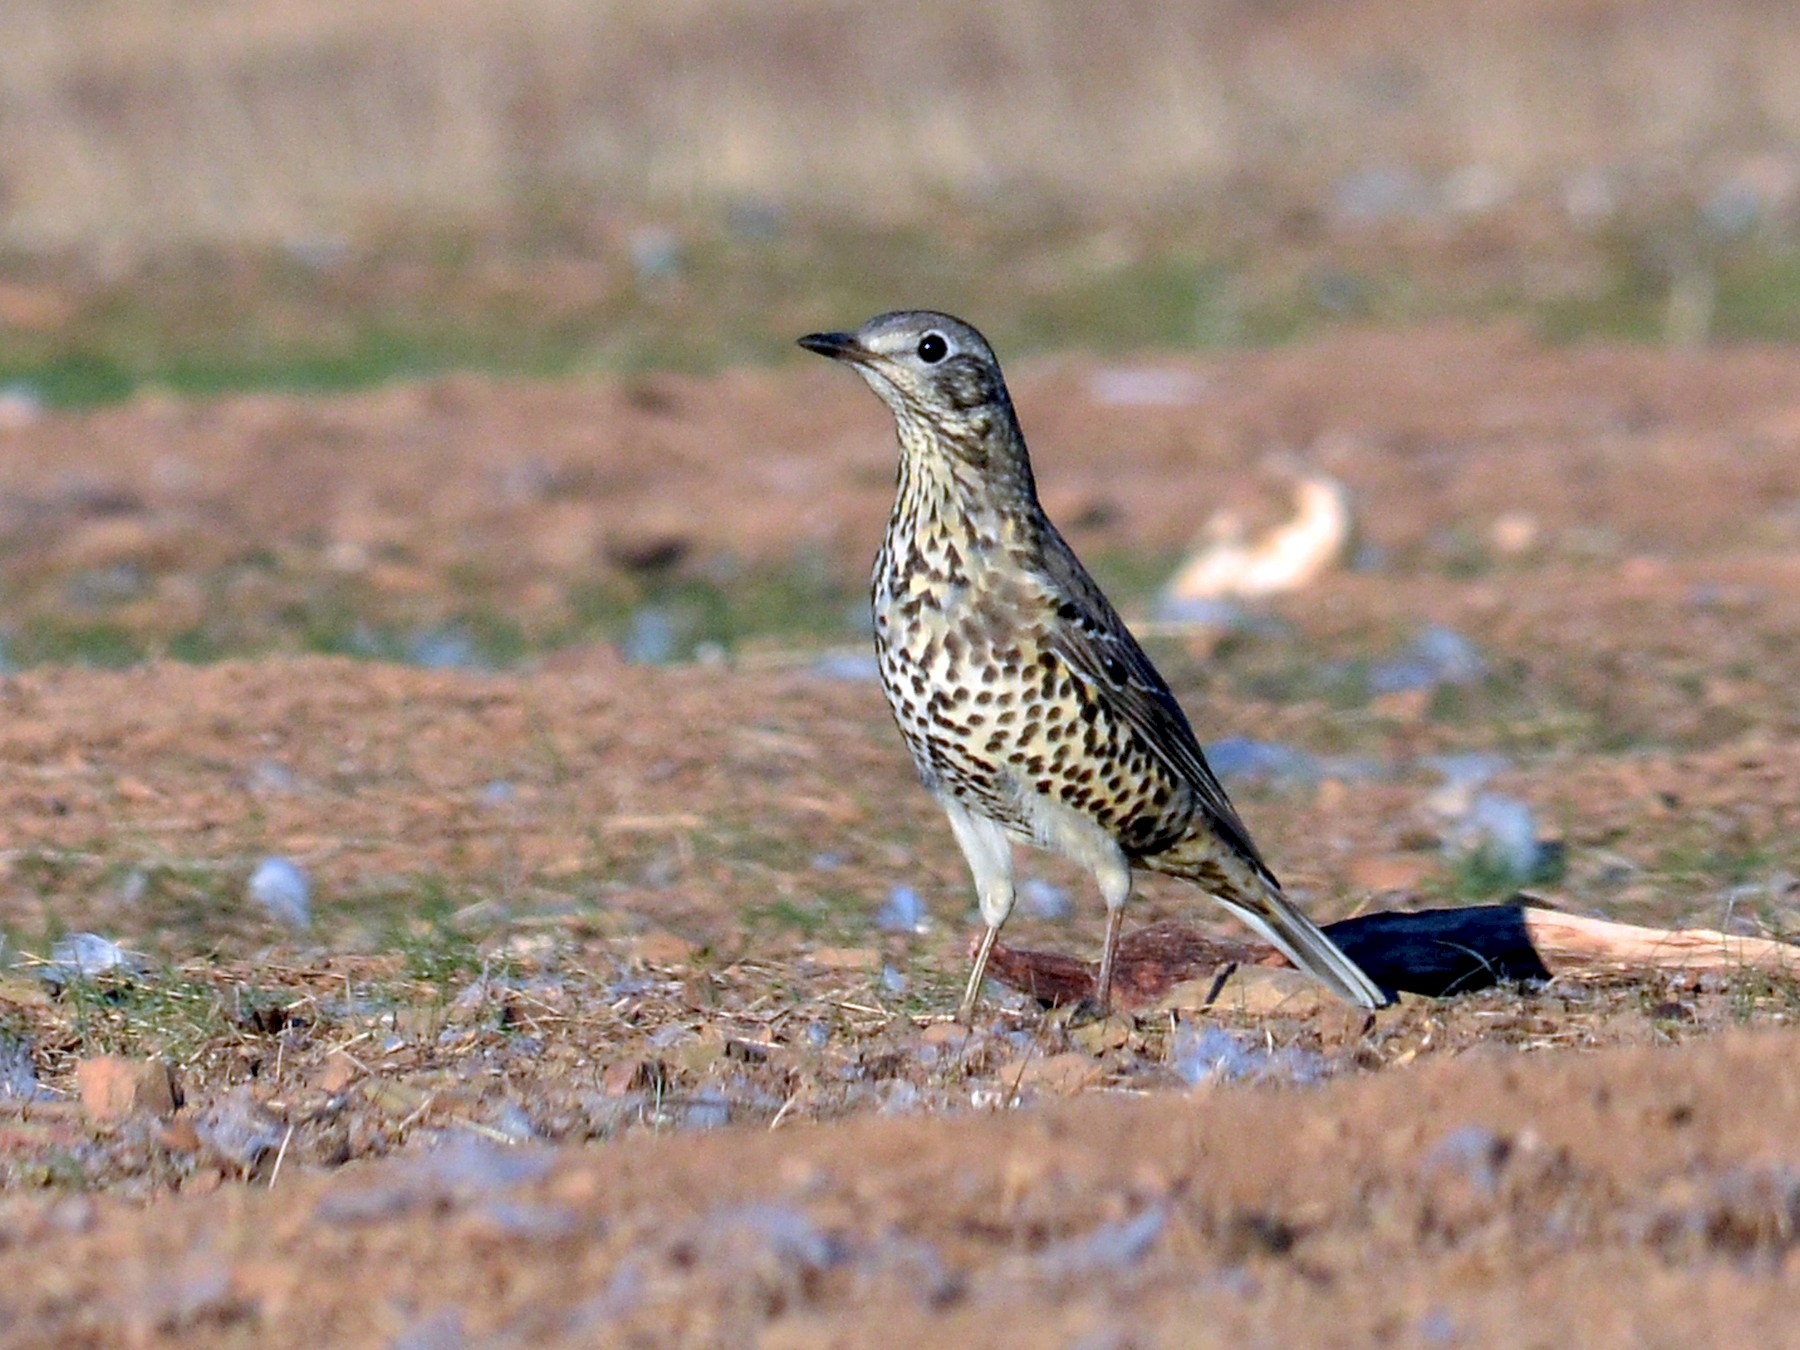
x=989, y=712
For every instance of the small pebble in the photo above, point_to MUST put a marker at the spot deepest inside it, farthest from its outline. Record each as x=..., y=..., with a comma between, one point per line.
x=444, y=649
x=1046, y=900
x=903, y=912
x=280, y=886
x=1503, y=829
x=855, y=667
x=272, y=778
x=1437, y=656
x=512, y=1122
x=20, y=405
x=650, y=638
x=1437, y=1327
x=86, y=956
x=901, y=1098
x=441, y=1330
x=1210, y=1053
x=18, y=1073
x=1470, y=768
x=1474, y=1152
x=1111, y=1246
x=1262, y=761
x=467, y=1166
x=707, y=1109
x=1454, y=658
x=1379, y=192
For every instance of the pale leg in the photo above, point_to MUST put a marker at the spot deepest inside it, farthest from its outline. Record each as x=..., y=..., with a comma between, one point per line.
x=1103, y=988
x=1114, y=875
x=972, y=994
x=989, y=853
x=1076, y=836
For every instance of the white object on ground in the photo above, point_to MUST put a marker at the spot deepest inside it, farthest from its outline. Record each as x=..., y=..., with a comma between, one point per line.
x=1286, y=558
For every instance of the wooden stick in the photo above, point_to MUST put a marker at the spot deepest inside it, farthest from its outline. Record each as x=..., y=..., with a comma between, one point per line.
x=1574, y=942
x=1433, y=951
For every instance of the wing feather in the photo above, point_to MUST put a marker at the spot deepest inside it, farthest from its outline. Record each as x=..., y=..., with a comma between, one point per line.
x=1098, y=648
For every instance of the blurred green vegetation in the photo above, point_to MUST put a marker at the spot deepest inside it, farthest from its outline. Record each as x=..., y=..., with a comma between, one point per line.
x=549, y=300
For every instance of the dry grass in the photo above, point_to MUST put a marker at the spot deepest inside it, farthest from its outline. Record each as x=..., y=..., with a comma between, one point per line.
x=143, y=121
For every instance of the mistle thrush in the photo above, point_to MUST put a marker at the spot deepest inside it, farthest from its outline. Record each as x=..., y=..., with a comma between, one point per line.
x=1030, y=710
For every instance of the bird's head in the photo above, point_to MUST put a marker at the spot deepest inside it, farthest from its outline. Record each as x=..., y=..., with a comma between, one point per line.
x=934, y=371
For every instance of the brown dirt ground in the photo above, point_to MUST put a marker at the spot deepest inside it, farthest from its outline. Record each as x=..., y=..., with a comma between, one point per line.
x=588, y=1038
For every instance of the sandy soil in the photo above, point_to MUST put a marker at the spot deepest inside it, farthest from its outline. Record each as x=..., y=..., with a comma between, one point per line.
x=594, y=1036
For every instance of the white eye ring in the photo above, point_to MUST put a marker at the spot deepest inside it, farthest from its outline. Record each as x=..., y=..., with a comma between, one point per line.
x=933, y=348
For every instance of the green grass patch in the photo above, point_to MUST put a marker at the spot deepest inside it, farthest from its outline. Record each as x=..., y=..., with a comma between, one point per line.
x=157, y=1013
x=829, y=915
x=674, y=618
x=551, y=301
x=102, y=645
x=1484, y=874
x=1751, y=293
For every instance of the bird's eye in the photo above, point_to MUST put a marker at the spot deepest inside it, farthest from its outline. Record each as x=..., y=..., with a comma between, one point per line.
x=933, y=348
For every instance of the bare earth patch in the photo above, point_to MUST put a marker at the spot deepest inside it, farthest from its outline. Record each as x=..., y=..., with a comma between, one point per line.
x=620, y=1012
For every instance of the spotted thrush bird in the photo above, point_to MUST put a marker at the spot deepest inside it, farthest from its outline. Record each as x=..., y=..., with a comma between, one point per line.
x=1030, y=710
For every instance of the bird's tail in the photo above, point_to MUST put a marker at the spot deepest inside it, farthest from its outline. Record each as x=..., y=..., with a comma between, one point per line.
x=1298, y=938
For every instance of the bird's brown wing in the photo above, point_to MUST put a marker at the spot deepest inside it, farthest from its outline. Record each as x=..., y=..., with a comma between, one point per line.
x=1094, y=642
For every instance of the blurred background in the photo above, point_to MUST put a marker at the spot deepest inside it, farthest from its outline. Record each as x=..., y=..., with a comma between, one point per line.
x=321, y=193
x=205, y=205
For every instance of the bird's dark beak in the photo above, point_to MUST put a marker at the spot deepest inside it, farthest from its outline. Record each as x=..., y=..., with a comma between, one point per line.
x=838, y=346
